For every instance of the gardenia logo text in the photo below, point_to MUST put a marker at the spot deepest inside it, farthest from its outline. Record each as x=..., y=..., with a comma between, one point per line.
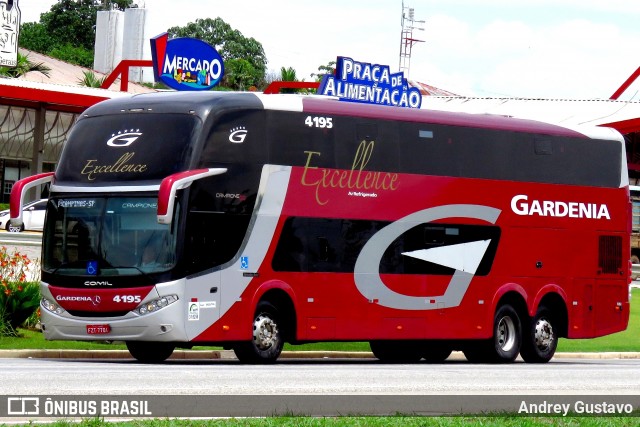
x=521, y=205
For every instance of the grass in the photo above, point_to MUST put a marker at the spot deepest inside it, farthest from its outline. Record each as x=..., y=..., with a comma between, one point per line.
x=30, y=339
x=400, y=420
x=620, y=342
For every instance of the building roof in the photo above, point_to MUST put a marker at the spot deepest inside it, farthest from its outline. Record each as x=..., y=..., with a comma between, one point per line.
x=428, y=90
x=59, y=96
x=63, y=73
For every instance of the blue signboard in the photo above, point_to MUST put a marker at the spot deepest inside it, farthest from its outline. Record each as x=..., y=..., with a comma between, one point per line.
x=185, y=63
x=369, y=83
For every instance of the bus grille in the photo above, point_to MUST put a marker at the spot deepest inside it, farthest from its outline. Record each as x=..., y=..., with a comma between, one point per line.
x=97, y=313
x=610, y=254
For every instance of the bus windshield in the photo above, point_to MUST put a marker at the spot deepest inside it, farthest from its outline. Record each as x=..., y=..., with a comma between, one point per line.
x=107, y=236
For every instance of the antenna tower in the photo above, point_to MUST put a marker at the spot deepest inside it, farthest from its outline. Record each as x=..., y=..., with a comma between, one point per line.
x=409, y=23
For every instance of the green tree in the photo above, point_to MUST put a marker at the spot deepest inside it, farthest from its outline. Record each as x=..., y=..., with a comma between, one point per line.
x=34, y=36
x=73, y=55
x=90, y=79
x=330, y=68
x=67, y=31
x=23, y=67
x=229, y=43
x=288, y=75
x=117, y=4
x=72, y=21
x=239, y=74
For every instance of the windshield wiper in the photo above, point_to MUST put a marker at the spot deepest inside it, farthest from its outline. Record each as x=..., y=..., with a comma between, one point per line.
x=64, y=265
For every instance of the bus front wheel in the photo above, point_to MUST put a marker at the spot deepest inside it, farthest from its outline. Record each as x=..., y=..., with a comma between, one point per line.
x=267, y=338
x=150, y=352
x=540, y=340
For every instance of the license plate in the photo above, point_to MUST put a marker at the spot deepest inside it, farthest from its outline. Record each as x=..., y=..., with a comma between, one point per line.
x=98, y=329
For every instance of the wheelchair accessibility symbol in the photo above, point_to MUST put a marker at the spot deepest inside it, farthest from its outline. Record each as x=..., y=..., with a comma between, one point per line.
x=244, y=263
x=92, y=268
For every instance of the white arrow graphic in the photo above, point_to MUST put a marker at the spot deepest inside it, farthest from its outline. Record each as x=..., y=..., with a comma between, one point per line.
x=463, y=256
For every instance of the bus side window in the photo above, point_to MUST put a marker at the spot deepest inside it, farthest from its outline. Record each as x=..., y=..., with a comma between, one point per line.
x=434, y=235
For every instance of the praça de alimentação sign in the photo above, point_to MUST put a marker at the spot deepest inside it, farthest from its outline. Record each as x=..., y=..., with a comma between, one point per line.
x=186, y=63
x=369, y=83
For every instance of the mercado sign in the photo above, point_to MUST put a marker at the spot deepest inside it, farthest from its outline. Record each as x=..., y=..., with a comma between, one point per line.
x=369, y=83
x=185, y=63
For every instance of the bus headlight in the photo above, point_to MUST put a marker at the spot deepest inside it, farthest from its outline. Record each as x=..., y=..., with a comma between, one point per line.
x=155, y=305
x=51, y=306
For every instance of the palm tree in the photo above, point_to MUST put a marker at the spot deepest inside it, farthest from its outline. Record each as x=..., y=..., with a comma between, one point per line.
x=91, y=80
x=288, y=75
x=24, y=66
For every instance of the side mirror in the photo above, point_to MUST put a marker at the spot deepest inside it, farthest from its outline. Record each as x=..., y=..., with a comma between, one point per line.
x=171, y=184
x=19, y=190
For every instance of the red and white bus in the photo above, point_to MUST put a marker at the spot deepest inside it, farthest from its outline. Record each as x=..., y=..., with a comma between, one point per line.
x=248, y=220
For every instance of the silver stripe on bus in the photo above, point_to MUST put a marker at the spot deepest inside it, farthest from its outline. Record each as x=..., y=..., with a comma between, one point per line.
x=274, y=183
x=366, y=271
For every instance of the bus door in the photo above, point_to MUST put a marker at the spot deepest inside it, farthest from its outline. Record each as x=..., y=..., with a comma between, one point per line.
x=202, y=294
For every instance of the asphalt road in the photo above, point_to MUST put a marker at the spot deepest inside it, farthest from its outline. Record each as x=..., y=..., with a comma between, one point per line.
x=329, y=387
x=323, y=376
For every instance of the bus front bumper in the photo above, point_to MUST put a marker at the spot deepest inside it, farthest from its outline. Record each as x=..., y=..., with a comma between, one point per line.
x=162, y=325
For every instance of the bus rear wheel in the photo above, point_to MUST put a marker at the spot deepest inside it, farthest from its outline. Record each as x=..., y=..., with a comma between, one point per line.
x=149, y=351
x=436, y=352
x=396, y=351
x=505, y=344
x=540, y=340
x=268, y=338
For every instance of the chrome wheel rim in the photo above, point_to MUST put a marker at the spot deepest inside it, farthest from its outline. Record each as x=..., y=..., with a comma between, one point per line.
x=265, y=332
x=544, y=336
x=506, y=334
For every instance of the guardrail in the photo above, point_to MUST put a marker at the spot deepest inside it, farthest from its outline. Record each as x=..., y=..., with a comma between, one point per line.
x=21, y=239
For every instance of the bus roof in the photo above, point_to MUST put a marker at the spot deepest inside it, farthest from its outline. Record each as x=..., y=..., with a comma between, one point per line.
x=202, y=104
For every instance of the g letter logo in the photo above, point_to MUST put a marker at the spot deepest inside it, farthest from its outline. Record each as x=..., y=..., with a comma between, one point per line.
x=238, y=135
x=124, y=139
x=373, y=288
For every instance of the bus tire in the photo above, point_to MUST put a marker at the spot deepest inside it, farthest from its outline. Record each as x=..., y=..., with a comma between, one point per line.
x=268, y=337
x=507, y=335
x=436, y=352
x=396, y=351
x=505, y=343
x=477, y=351
x=540, y=340
x=150, y=351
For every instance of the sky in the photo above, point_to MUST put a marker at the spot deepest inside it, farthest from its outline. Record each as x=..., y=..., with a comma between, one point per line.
x=559, y=49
